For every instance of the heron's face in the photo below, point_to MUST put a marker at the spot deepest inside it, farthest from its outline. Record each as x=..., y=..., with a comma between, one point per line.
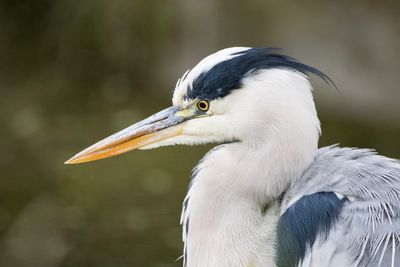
x=233, y=95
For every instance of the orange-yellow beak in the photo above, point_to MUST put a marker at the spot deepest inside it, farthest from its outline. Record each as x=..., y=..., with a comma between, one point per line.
x=158, y=127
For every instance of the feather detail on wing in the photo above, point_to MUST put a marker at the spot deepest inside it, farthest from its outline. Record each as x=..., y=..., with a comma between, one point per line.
x=367, y=231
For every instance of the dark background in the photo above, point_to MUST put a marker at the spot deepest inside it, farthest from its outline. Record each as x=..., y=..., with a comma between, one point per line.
x=73, y=72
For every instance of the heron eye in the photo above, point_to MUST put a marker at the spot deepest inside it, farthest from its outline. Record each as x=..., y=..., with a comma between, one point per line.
x=203, y=105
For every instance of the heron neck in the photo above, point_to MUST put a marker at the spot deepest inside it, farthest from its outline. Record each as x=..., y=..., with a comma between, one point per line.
x=232, y=205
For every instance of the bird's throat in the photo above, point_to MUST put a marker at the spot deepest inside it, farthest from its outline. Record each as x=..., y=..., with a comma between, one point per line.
x=232, y=207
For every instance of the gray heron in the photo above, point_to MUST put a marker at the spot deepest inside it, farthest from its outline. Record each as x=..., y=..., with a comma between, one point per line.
x=266, y=195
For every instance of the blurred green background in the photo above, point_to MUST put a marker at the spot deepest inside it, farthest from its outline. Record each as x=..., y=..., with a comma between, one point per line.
x=72, y=72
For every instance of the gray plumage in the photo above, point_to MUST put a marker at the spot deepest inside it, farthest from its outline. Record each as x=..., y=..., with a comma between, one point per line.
x=368, y=227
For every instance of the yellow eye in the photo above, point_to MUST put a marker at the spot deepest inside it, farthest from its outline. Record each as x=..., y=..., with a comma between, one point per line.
x=203, y=105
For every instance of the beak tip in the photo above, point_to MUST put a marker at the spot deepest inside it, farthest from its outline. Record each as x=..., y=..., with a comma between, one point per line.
x=69, y=162
x=74, y=160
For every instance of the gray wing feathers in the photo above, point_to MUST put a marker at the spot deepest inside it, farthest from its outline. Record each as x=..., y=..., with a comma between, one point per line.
x=369, y=224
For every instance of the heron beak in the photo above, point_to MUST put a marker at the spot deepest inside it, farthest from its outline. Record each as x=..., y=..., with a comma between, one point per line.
x=158, y=127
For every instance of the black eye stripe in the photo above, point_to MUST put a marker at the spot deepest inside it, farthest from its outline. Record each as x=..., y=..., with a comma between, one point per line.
x=227, y=75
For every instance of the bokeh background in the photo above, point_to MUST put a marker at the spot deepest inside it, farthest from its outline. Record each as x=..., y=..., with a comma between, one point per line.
x=72, y=72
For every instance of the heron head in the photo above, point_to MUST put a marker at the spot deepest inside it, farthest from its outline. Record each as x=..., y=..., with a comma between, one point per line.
x=236, y=94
